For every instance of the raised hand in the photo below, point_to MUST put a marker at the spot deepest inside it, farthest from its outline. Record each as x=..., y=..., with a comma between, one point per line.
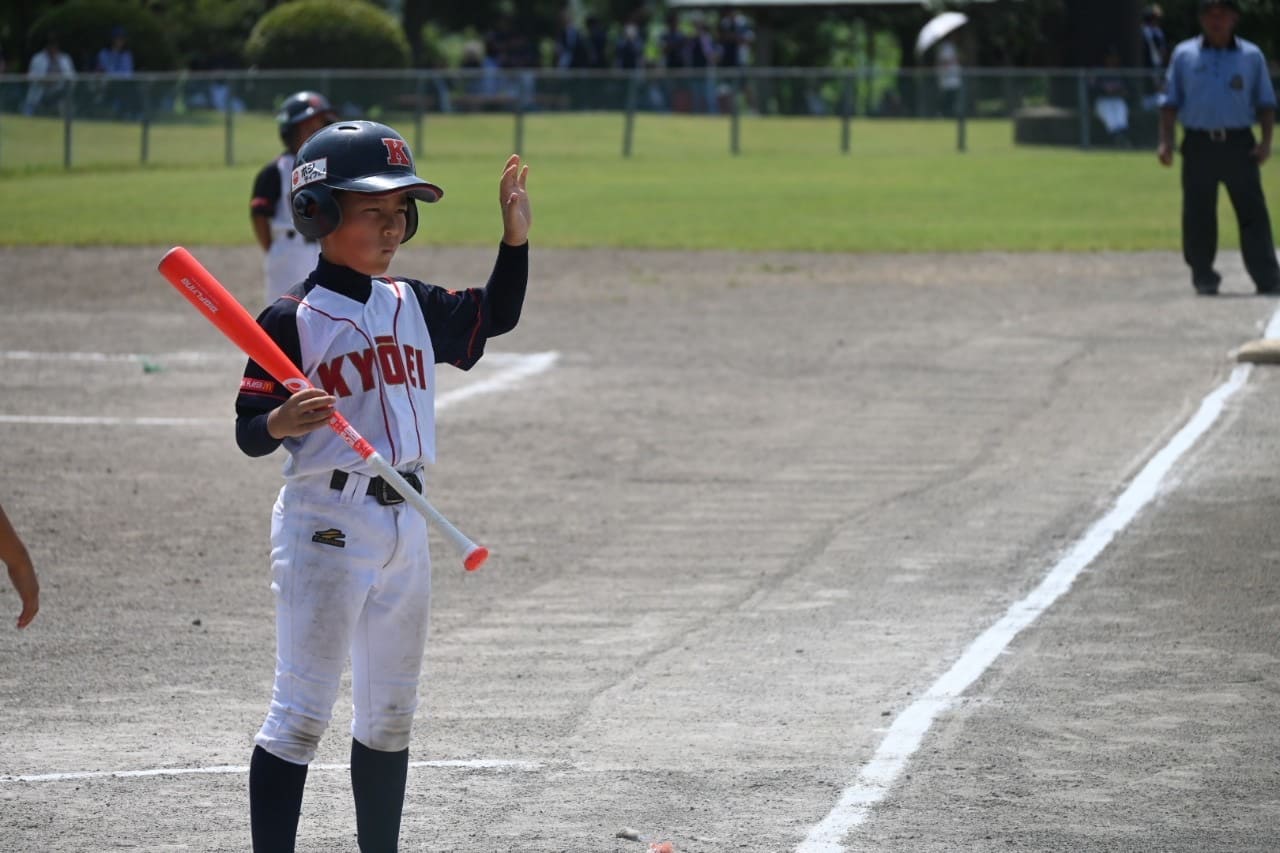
x=514, y=198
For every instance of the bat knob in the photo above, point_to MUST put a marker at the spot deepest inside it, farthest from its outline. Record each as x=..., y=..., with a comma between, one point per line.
x=475, y=558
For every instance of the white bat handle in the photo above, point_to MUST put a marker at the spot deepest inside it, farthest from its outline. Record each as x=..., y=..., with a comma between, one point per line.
x=473, y=555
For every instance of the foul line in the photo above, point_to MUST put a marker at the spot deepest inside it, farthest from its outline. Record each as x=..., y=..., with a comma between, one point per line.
x=518, y=367
x=904, y=737
x=233, y=769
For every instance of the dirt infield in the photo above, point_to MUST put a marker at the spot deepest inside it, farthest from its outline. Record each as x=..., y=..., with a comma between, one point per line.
x=757, y=506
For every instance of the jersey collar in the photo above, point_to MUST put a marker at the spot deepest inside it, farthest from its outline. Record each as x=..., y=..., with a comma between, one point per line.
x=344, y=280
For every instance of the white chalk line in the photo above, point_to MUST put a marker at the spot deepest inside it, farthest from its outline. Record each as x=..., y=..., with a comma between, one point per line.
x=233, y=769
x=162, y=358
x=907, y=732
x=70, y=420
x=527, y=365
x=516, y=368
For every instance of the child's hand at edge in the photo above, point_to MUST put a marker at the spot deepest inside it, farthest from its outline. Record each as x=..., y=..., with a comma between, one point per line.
x=514, y=198
x=21, y=573
x=304, y=412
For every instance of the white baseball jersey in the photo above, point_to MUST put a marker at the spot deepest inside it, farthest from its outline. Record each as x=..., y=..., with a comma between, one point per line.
x=376, y=357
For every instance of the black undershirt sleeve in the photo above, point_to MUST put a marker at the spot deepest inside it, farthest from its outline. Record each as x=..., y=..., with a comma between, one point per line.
x=461, y=321
x=260, y=393
x=266, y=191
x=504, y=293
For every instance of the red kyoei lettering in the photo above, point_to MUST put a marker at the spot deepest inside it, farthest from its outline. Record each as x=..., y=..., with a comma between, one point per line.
x=331, y=378
x=363, y=361
x=389, y=360
x=411, y=368
x=396, y=368
x=397, y=152
x=415, y=366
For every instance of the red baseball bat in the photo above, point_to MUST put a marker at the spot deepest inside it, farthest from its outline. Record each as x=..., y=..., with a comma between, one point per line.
x=206, y=293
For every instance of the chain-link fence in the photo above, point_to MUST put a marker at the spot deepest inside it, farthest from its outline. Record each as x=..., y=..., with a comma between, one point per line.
x=197, y=118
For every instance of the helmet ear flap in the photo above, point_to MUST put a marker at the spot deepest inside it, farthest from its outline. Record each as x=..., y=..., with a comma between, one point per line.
x=316, y=213
x=410, y=220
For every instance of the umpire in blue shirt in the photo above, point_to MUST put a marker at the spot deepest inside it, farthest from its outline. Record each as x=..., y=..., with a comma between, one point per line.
x=1217, y=86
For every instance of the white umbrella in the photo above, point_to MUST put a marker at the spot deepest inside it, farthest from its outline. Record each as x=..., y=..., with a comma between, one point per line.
x=939, y=28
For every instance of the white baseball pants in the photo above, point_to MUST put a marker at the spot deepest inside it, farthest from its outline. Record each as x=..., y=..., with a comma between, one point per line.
x=352, y=578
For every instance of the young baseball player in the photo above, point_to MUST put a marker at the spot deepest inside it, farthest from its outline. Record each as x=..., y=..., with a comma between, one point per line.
x=350, y=568
x=21, y=573
x=289, y=256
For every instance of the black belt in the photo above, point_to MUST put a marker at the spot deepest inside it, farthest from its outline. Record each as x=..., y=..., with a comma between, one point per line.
x=1221, y=134
x=379, y=489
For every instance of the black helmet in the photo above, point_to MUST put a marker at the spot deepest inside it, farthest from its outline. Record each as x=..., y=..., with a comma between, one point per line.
x=359, y=157
x=299, y=107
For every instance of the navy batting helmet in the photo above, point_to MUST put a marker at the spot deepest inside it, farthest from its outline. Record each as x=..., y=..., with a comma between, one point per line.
x=353, y=156
x=299, y=107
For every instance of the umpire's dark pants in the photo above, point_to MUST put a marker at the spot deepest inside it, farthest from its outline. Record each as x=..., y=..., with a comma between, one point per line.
x=1225, y=157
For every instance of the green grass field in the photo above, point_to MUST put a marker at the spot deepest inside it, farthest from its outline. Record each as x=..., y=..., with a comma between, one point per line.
x=902, y=187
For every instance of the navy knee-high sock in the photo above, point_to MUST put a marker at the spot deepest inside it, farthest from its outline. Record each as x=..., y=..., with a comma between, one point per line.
x=275, y=801
x=377, y=784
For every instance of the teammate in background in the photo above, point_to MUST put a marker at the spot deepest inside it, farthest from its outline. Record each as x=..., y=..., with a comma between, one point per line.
x=21, y=573
x=350, y=568
x=289, y=255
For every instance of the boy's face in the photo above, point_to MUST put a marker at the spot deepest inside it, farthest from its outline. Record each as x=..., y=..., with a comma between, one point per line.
x=371, y=230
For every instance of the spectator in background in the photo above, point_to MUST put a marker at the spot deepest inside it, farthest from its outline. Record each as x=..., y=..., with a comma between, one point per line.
x=116, y=60
x=508, y=48
x=675, y=44
x=704, y=54
x=950, y=77
x=703, y=51
x=1155, y=53
x=598, y=42
x=573, y=50
x=629, y=52
x=1110, y=100
x=736, y=38
x=49, y=71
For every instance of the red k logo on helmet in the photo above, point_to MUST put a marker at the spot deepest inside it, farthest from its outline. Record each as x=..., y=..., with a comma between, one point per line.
x=397, y=152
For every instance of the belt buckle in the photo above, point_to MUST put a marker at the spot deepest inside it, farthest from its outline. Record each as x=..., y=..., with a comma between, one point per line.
x=1219, y=135
x=385, y=493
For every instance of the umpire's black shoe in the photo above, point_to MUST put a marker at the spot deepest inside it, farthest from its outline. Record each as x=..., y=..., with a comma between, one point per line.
x=1272, y=289
x=1206, y=284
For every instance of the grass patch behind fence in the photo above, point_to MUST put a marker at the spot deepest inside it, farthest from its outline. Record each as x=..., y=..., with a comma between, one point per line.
x=902, y=187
